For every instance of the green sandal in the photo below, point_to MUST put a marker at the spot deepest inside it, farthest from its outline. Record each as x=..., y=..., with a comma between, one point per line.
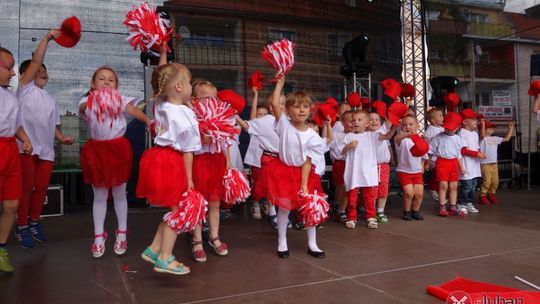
x=163, y=267
x=149, y=256
x=381, y=217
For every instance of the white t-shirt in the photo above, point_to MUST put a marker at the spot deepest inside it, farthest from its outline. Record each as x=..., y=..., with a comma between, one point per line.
x=336, y=146
x=320, y=162
x=489, y=146
x=254, y=152
x=235, y=155
x=383, y=150
x=296, y=146
x=10, y=116
x=407, y=163
x=472, y=164
x=263, y=129
x=109, y=128
x=176, y=127
x=361, y=162
x=432, y=131
x=338, y=127
x=39, y=116
x=446, y=146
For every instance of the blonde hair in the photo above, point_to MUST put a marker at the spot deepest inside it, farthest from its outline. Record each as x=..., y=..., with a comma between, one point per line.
x=164, y=76
x=358, y=112
x=198, y=84
x=431, y=113
x=298, y=97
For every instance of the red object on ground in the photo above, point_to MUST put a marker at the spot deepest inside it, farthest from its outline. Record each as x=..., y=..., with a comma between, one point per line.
x=71, y=32
x=477, y=291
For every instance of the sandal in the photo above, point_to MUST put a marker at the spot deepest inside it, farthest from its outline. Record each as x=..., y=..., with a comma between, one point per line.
x=120, y=247
x=342, y=217
x=163, y=266
x=221, y=250
x=198, y=255
x=372, y=223
x=381, y=217
x=149, y=256
x=98, y=250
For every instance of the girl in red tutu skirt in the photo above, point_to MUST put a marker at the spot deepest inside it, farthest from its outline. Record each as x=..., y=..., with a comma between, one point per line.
x=107, y=156
x=166, y=169
x=293, y=172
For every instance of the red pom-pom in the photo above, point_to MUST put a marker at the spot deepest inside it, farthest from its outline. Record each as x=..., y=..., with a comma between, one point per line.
x=70, y=32
x=354, y=100
x=534, y=88
x=280, y=55
x=236, y=100
x=322, y=111
x=407, y=90
x=314, y=210
x=190, y=212
x=147, y=29
x=216, y=121
x=236, y=186
x=391, y=87
x=256, y=80
x=451, y=100
x=103, y=104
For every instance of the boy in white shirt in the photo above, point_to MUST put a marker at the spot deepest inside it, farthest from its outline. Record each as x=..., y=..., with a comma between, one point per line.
x=360, y=150
x=490, y=170
x=471, y=159
x=435, y=118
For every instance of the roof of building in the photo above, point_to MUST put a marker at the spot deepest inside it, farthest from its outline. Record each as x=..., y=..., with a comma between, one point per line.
x=524, y=25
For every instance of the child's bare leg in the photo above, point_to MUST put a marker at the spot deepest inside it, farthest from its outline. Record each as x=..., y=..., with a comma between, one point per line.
x=452, y=193
x=158, y=238
x=213, y=221
x=408, y=194
x=418, y=197
x=443, y=188
x=7, y=216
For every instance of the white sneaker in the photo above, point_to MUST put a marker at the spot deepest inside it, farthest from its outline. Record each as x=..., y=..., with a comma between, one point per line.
x=462, y=208
x=434, y=195
x=256, y=213
x=350, y=224
x=471, y=208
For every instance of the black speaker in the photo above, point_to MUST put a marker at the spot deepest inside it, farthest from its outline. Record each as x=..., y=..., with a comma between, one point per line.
x=441, y=85
x=354, y=53
x=535, y=64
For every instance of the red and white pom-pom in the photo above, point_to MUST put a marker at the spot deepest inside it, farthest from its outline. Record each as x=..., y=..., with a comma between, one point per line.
x=191, y=211
x=216, y=121
x=103, y=104
x=280, y=55
x=147, y=30
x=314, y=210
x=236, y=186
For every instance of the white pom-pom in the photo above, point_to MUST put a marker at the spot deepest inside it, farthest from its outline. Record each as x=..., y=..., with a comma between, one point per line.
x=314, y=208
x=236, y=186
x=280, y=55
x=216, y=121
x=103, y=104
x=147, y=29
x=190, y=212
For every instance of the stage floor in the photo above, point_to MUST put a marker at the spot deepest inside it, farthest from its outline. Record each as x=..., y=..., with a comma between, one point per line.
x=393, y=264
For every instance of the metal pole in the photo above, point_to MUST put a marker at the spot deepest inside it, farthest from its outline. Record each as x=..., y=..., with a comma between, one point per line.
x=529, y=154
x=473, y=76
x=354, y=81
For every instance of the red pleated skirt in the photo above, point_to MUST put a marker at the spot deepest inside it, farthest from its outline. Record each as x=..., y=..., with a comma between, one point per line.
x=208, y=172
x=162, y=176
x=106, y=163
x=284, y=184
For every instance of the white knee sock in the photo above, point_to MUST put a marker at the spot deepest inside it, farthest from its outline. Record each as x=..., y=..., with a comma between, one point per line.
x=99, y=211
x=121, y=209
x=312, y=238
x=271, y=210
x=282, y=222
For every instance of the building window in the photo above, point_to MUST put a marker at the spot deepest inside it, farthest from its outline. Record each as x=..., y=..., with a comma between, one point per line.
x=335, y=46
x=350, y=3
x=483, y=99
x=274, y=35
x=476, y=18
x=432, y=14
x=436, y=54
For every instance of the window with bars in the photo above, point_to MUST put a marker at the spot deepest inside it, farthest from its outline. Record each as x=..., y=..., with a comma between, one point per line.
x=476, y=18
x=335, y=46
x=274, y=35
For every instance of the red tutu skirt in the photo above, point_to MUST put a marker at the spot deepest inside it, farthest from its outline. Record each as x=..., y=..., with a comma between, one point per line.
x=256, y=187
x=338, y=170
x=284, y=184
x=162, y=176
x=106, y=163
x=208, y=172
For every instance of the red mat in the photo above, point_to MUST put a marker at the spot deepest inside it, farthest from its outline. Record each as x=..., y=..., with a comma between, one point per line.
x=480, y=292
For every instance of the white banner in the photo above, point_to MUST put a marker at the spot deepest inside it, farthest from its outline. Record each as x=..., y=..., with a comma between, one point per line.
x=501, y=98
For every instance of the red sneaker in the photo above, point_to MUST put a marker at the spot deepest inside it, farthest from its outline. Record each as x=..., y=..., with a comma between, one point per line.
x=492, y=199
x=442, y=212
x=483, y=200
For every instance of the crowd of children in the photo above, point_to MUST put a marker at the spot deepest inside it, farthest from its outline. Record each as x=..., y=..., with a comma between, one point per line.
x=286, y=156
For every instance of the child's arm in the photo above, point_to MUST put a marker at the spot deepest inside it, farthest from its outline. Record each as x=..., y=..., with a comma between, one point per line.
x=461, y=166
x=327, y=131
x=388, y=135
x=276, y=96
x=482, y=128
x=400, y=137
x=66, y=140
x=242, y=123
x=162, y=54
x=306, y=169
x=352, y=145
x=136, y=113
x=37, y=58
x=253, y=113
x=228, y=158
x=27, y=145
x=509, y=133
x=536, y=106
x=188, y=163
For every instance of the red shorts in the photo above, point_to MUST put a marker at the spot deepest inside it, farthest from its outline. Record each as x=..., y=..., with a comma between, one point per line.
x=284, y=183
x=10, y=170
x=410, y=178
x=338, y=169
x=106, y=163
x=162, y=176
x=384, y=180
x=208, y=172
x=446, y=170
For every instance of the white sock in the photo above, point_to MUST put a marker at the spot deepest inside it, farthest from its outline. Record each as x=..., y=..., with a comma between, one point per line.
x=380, y=210
x=99, y=211
x=282, y=222
x=312, y=239
x=271, y=210
x=121, y=209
